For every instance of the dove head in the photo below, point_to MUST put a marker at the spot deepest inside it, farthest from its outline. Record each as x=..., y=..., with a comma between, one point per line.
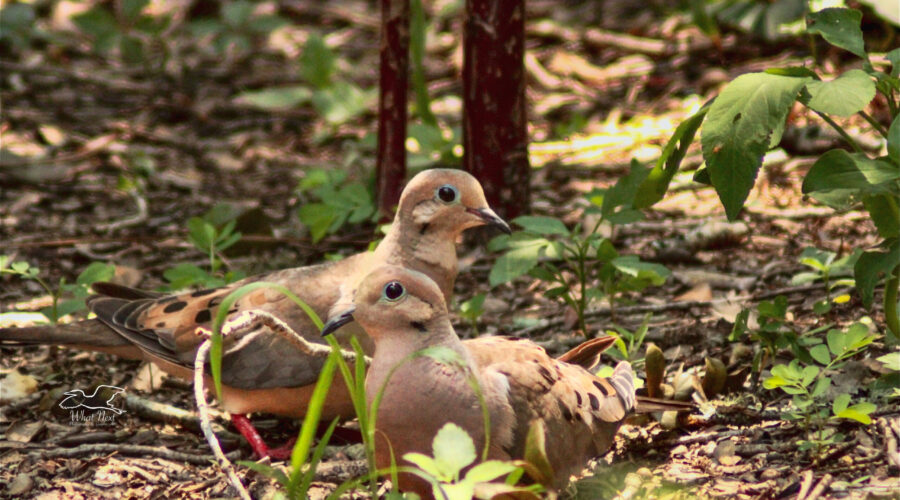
x=392, y=301
x=446, y=201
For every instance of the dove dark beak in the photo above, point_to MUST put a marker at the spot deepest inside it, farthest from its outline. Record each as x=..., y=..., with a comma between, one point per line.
x=338, y=321
x=491, y=218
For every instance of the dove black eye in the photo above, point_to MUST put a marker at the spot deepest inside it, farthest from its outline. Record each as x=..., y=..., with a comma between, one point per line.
x=393, y=290
x=447, y=193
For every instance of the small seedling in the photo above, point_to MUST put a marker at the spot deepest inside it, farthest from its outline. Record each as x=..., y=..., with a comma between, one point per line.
x=212, y=237
x=96, y=271
x=341, y=202
x=832, y=271
x=809, y=384
x=472, y=309
x=454, y=451
x=592, y=267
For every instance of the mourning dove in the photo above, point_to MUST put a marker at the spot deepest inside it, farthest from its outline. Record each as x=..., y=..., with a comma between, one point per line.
x=263, y=372
x=404, y=312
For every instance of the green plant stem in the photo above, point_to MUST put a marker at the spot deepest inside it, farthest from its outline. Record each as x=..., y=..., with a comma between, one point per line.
x=891, y=317
x=872, y=121
x=840, y=131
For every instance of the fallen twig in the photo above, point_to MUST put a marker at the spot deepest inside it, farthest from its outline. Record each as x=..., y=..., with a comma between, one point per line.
x=205, y=423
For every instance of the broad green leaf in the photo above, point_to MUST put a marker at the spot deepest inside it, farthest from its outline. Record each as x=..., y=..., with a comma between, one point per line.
x=132, y=49
x=543, y=226
x=97, y=22
x=97, y=271
x=821, y=387
x=803, y=278
x=741, y=125
x=775, y=382
x=516, y=262
x=820, y=354
x=425, y=463
x=872, y=266
x=453, y=450
x=342, y=102
x=631, y=265
x=891, y=361
x=622, y=193
x=857, y=336
x=840, y=403
x=839, y=27
x=489, y=470
x=844, y=96
x=131, y=9
x=836, y=342
x=317, y=62
x=855, y=413
x=276, y=99
x=885, y=213
x=893, y=140
x=809, y=374
x=457, y=491
x=793, y=390
x=839, y=178
x=318, y=217
x=894, y=57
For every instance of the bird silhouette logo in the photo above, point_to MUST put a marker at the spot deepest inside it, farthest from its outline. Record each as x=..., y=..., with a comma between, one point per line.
x=101, y=399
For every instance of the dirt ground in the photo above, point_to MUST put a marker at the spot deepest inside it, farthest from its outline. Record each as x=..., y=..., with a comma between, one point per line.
x=180, y=142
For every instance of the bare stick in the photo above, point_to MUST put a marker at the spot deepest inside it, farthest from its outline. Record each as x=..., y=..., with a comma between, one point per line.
x=248, y=320
x=205, y=423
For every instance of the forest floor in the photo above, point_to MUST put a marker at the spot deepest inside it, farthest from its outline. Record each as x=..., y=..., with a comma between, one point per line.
x=110, y=161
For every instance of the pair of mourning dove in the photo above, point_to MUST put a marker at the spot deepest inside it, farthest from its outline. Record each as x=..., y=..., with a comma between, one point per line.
x=404, y=312
x=264, y=372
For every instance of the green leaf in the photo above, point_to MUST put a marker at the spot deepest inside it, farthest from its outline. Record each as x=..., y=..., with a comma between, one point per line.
x=855, y=414
x=342, y=102
x=237, y=12
x=132, y=49
x=872, y=265
x=317, y=62
x=894, y=57
x=425, y=463
x=276, y=99
x=453, y=450
x=456, y=491
x=809, y=374
x=622, y=193
x=516, y=262
x=840, y=403
x=267, y=24
x=844, y=96
x=97, y=22
x=885, y=213
x=836, y=342
x=893, y=140
x=96, y=271
x=489, y=470
x=839, y=178
x=820, y=354
x=631, y=265
x=655, y=185
x=318, y=217
x=131, y=9
x=543, y=226
x=891, y=361
x=839, y=27
x=821, y=387
x=739, y=129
